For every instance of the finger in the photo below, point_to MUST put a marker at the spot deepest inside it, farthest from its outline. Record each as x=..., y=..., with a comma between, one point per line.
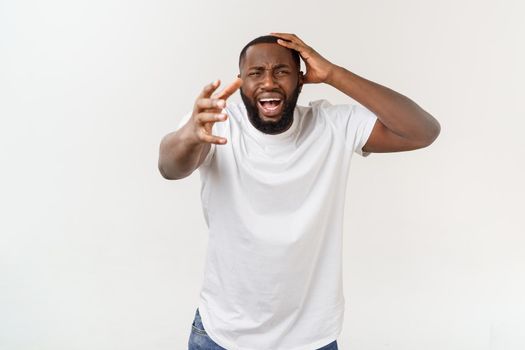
x=207, y=103
x=209, y=89
x=290, y=45
x=290, y=41
x=205, y=137
x=230, y=89
x=211, y=117
x=289, y=37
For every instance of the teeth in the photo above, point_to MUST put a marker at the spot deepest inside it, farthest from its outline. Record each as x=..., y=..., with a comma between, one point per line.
x=269, y=99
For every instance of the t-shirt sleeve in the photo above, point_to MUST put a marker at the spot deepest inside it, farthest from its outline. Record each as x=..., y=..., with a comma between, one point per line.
x=209, y=156
x=354, y=121
x=360, y=125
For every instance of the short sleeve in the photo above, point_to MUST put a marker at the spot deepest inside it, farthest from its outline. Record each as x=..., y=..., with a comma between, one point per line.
x=209, y=156
x=360, y=124
x=354, y=121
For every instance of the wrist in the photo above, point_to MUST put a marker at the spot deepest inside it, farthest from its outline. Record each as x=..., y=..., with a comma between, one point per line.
x=333, y=72
x=188, y=135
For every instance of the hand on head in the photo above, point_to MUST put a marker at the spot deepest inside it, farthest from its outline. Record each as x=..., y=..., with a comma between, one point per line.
x=318, y=68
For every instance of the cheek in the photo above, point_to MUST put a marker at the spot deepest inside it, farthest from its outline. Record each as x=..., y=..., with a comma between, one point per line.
x=291, y=86
x=247, y=89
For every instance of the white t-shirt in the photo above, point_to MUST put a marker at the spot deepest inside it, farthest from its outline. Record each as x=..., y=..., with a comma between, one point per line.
x=274, y=206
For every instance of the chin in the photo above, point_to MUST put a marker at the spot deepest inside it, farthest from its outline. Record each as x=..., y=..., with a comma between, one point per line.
x=273, y=122
x=272, y=119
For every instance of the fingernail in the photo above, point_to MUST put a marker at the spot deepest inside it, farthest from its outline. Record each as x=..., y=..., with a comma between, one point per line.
x=220, y=103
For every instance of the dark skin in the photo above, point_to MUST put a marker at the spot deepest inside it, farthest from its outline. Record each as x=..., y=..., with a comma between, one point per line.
x=184, y=150
x=402, y=125
x=269, y=70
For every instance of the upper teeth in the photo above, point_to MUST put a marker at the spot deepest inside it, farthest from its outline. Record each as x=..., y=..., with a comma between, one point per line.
x=269, y=99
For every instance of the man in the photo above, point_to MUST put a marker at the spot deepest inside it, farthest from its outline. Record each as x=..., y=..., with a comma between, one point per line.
x=273, y=185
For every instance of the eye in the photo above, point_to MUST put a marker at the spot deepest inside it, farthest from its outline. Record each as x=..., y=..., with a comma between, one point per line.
x=254, y=74
x=282, y=72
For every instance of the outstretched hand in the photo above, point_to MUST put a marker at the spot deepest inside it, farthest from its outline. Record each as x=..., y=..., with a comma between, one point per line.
x=318, y=68
x=207, y=110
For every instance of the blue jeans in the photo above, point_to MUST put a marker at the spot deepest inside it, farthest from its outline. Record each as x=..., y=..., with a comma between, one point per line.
x=199, y=339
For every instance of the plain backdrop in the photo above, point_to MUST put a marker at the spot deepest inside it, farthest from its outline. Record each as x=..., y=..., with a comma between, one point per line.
x=98, y=251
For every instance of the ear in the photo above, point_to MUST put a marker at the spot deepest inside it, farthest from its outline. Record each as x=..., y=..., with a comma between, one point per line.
x=301, y=80
x=239, y=75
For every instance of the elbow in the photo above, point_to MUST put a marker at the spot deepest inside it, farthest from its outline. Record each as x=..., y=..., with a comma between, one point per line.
x=436, y=130
x=161, y=165
x=431, y=134
x=169, y=175
x=164, y=173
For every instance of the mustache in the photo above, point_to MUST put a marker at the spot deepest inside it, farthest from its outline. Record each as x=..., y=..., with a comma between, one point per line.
x=271, y=127
x=278, y=91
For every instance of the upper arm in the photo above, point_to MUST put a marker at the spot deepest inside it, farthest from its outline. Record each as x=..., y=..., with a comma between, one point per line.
x=382, y=140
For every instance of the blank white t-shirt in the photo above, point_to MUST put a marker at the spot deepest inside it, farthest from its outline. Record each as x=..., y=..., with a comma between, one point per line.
x=274, y=206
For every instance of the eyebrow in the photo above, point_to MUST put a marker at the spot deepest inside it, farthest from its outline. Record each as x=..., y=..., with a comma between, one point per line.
x=280, y=65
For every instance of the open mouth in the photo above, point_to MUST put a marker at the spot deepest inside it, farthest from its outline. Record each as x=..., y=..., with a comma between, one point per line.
x=270, y=107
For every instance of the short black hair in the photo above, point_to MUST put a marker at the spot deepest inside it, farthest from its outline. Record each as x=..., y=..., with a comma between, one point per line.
x=269, y=39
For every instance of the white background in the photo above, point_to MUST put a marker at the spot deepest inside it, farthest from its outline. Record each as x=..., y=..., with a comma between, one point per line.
x=98, y=251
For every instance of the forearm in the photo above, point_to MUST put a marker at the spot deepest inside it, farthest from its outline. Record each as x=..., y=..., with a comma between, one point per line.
x=397, y=112
x=180, y=155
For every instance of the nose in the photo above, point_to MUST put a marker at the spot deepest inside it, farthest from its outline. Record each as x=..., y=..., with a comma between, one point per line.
x=268, y=79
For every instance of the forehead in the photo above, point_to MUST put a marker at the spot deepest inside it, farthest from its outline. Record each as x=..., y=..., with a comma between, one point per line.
x=267, y=55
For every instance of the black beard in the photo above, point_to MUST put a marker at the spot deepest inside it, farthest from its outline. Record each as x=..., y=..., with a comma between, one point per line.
x=270, y=127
